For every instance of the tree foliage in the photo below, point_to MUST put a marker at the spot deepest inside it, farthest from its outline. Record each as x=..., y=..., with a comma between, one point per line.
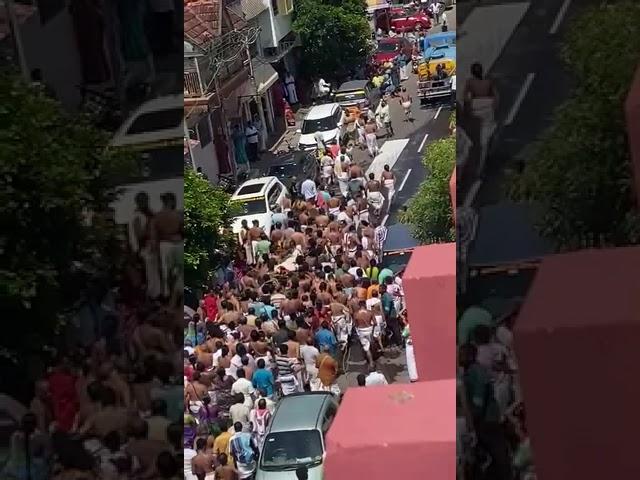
x=207, y=217
x=336, y=36
x=55, y=189
x=578, y=173
x=430, y=212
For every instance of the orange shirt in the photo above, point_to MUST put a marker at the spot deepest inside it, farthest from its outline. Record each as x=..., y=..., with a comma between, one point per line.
x=371, y=289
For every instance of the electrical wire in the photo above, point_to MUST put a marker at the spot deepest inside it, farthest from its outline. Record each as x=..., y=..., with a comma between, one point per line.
x=227, y=49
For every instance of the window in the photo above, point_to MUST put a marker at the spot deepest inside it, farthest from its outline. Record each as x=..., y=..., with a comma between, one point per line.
x=251, y=189
x=252, y=207
x=288, y=450
x=158, y=120
x=204, y=132
x=319, y=125
x=329, y=415
x=274, y=6
x=274, y=194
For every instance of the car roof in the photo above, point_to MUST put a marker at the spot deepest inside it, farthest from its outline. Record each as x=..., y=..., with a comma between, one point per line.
x=321, y=111
x=167, y=102
x=264, y=182
x=390, y=40
x=353, y=85
x=301, y=411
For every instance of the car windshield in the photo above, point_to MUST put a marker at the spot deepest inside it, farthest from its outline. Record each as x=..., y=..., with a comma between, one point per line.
x=255, y=206
x=290, y=450
x=350, y=96
x=318, y=125
x=388, y=47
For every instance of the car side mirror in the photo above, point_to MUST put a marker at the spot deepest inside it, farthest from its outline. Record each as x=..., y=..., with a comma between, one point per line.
x=299, y=130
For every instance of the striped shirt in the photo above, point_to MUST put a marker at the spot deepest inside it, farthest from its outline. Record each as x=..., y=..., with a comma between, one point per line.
x=283, y=364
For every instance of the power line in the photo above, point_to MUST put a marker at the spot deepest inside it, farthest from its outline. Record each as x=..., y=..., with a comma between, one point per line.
x=225, y=50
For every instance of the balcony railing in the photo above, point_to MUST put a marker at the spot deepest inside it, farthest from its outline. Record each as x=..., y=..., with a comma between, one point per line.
x=197, y=78
x=274, y=54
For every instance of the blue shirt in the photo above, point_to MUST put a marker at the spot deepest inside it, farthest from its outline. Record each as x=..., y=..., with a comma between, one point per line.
x=263, y=380
x=280, y=218
x=326, y=338
x=269, y=309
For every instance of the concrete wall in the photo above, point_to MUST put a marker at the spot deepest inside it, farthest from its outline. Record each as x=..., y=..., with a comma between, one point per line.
x=52, y=48
x=274, y=27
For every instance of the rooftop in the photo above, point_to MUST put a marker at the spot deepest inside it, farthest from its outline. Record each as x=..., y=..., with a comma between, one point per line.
x=202, y=21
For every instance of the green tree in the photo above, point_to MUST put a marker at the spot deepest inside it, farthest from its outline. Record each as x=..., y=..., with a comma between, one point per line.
x=336, y=37
x=430, y=212
x=56, y=183
x=207, y=218
x=578, y=172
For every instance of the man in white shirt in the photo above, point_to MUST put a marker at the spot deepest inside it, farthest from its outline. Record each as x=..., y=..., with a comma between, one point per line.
x=253, y=138
x=245, y=387
x=375, y=378
x=308, y=189
x=240, y=412
x=309, y=354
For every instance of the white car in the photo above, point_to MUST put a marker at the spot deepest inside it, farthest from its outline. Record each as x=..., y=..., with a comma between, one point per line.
x=258, y=198
x=326, y=119
x=156, y=131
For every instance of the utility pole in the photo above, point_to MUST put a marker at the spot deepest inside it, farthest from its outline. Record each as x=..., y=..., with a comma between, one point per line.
x=17, y=39
x=256, y=97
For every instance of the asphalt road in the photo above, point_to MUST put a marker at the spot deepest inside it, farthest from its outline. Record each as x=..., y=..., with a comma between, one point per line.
x=532, y=82
x=429, y=123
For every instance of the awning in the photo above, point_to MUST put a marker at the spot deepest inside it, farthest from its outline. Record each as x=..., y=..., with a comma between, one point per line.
x=265, y=76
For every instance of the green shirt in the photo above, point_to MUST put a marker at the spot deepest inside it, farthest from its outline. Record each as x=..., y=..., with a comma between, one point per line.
x=384, y=273
x=263, y=247
x=479, y=388
x=471, y=318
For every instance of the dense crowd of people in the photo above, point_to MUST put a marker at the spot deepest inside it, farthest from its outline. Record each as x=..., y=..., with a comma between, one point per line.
x=491, y=424
x=280, y=318
x=110, y=406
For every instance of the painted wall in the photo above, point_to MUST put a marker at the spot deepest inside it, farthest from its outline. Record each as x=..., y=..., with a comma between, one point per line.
x=59, y=61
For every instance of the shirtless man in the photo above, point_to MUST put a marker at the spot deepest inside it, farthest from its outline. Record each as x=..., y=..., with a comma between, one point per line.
x=405, y=101
x=322, y=220
x=202, y=465
x=364, y=321
x=277, y=235
x=389, y=182
x=167, y=228
x=254, y=234
x=375, y=305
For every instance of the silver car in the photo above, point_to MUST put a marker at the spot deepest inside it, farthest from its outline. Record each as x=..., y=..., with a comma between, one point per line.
x=296, y=436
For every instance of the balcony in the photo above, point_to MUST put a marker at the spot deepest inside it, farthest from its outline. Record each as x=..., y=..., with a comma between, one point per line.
x=274, y=54
x=198, y=78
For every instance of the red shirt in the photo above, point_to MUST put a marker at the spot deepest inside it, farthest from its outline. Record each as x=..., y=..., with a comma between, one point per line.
x=211, y=306
x=64, y=399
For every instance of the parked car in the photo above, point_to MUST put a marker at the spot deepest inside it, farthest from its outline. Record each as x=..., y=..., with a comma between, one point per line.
x=296, y=436
x=258, y=199
x=357, y=94
x=294, y=169
x=389, y=48
x=408, y=21
x=155, y=132
x=326, y=119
